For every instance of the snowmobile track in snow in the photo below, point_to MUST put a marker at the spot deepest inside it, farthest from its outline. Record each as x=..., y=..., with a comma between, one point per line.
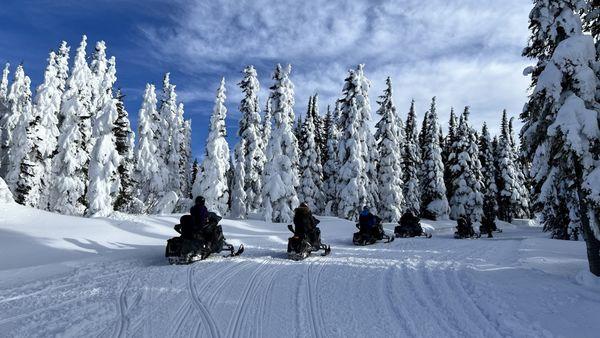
x=207, y=318
x=123, y=308
x=311, y=283
x=241, y=310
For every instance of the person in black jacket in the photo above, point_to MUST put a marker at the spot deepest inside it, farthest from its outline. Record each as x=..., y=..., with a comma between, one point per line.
x=410, y=224
x=199, y=212
x=306, y=224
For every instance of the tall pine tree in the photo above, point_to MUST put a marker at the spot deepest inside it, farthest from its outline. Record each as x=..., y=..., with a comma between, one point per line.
x=310, y=189
x=148, y=173
x=43, y=139
x=331, y=166
x=389, y=167
x=212, y=183
x=281, y=172
x=488, y=172
x=249, y=130
x=21, y=152
x=105, y=182
x=69, y=184
x=124, y=140
x=411, y=163
x=434, y=204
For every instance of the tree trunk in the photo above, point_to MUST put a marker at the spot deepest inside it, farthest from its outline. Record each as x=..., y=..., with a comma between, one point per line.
x=593, y=248
x=592, y=243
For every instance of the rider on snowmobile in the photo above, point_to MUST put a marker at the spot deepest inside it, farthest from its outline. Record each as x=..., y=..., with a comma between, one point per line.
x=409, y=220
x=199, y=212
x=305, y=223
x=366, y=220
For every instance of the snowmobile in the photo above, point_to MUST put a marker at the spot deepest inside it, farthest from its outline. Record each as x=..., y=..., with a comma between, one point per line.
x=197, y=244
x=300, y=246
x=415, y=230
x=375, y=234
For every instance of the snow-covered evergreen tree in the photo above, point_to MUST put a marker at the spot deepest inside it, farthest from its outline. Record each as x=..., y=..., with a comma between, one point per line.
x=561, y=123
x=320, y=135
x=266, y=127
x=507, y=180
x=521, y=207
x=98, y=68
x=238, y=194
x=281, y=172
x=359, y=89
x=434, y=204
x=42, y=139
x=124, y=140
x=105, y=181
x=148, y=174
x=249, y=129
x=488, y=172
x=183, y=137
x=4, y=84
x=20, y=115
x=212, y=183
x=170, y=136
x=186, y=158
x=411, y=163
x=389, y=168
x=298, y=130
x=467, y=199
x=447, y=150
x=310, y=190
x=196, y=170
x=3, y=98
x=67, y=195
x=331, y=166
x=6, y=126
x=62, y=64
x=356, y=139
x=351, y=188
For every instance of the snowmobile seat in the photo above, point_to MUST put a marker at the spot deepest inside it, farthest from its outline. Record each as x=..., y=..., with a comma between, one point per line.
x=186, y=227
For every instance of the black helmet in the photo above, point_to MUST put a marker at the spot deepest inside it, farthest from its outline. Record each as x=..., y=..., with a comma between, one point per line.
x=200, y=200
x=303, y=205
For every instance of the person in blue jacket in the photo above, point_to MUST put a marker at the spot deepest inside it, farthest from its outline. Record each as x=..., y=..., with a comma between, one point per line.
x=366, y=220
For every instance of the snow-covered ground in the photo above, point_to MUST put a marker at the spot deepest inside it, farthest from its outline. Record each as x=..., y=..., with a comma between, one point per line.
x=70, y=276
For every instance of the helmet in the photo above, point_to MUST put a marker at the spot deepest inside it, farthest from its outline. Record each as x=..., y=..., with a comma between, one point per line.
x=303, y=205
x=200, y=200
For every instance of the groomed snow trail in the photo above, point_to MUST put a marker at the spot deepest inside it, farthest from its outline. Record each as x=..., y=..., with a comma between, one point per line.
x=108, y=277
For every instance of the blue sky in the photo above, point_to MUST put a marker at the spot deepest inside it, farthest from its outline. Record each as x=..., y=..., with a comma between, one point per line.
x=463, y=52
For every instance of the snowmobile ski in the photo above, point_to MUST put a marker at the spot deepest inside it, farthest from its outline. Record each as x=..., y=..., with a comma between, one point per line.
x=233, y=252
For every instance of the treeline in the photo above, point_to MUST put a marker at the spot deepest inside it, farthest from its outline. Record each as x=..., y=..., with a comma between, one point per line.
x=70, y=148
x=336, y=164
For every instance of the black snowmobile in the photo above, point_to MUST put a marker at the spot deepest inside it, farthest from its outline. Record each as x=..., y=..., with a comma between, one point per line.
x=301, y=245
x=410, y=226
x=464, y=229
x=366, y=236
x=196, y=244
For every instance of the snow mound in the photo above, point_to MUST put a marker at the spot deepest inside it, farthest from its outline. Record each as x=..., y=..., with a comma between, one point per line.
x=166, y=204
x=587, y=279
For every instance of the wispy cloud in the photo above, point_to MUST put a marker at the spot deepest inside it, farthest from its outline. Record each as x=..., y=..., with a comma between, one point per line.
x=466, y=53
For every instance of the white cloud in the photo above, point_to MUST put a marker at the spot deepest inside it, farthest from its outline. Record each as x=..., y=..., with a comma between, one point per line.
x=465, y=53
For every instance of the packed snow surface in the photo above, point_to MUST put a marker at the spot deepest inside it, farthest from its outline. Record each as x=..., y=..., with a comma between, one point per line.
x=70, y=276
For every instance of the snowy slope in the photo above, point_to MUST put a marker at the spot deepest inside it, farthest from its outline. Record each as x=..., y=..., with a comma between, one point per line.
x=72, y=276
